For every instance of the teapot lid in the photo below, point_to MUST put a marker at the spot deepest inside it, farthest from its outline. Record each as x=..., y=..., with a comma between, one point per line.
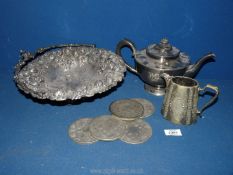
x=162, y=50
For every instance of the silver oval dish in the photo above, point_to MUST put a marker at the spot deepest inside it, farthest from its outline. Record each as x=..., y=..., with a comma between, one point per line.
x=68, y=72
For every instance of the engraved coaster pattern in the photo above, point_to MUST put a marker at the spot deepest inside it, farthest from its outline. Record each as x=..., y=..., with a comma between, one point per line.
x=136, y=132
x=80, y=133
x=149, y=108
x=127, y=109
x=107, y=128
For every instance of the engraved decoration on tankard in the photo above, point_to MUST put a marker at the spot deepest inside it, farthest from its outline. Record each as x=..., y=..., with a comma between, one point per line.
x=181, y=98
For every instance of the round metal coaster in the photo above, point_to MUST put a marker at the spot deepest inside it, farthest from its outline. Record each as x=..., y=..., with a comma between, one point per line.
x=127, y=109
x=149, y=108
x=136, y=132
x=107, y=128
x=80, y=133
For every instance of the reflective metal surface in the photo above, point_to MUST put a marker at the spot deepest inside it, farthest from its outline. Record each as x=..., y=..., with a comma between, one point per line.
x=148, y=107
x=79, y=131
x=68, y=72
x=127, y=109
x=107, y=128
x=181, y=99
x=136, y=132
x=160, y=58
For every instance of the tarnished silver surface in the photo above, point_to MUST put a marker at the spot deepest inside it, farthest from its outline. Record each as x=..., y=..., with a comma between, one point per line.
x=137, y=131
x=68, y=72
x=107, y=128
x=148, y=107
x=160, y=58
x=155, y=90
x=126, y=109
x=181, y=98
x=80, y=133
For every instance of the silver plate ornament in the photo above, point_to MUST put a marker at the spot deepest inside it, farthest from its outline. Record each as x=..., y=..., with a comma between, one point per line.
x=70, y=71
x=136, y=132
x=149, y=108
x=79, y=131
x=127, y=109
x=107, y=128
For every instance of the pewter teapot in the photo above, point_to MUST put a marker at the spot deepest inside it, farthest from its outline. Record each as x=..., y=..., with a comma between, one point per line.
x=160, y=58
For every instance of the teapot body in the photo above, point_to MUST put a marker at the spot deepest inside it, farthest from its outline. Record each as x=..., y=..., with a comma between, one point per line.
x=153, y=82
x=157, y=59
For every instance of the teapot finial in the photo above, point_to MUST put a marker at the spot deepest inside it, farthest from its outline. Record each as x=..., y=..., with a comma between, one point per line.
x=165, y=45
x=164, y=41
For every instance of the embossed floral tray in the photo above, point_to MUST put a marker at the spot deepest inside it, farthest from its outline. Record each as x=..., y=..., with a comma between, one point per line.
x=70, y=71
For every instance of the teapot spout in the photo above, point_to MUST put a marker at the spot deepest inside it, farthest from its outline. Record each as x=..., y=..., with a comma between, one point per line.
x=194, y=68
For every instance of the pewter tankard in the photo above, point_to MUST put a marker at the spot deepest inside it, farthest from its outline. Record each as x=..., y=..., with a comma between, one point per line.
x=181, y=98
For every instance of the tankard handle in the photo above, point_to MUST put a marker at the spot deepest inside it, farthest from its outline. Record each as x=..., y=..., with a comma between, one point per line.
x=126, y=43
x=214, y=88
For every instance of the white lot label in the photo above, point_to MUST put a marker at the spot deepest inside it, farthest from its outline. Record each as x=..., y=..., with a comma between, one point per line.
x=172, y=132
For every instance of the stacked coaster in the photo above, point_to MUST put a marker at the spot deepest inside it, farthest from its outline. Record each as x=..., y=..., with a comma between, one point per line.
x=126, y=123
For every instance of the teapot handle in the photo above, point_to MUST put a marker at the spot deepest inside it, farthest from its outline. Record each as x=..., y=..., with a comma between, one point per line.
x=126, y=43
x=214, y=88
